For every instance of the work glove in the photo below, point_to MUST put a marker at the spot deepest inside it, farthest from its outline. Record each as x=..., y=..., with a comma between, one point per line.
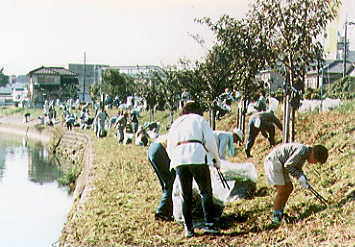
x=217, y=164
x=303, y=182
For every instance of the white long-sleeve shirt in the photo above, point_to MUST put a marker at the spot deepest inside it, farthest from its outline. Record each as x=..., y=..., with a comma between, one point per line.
x=187, y=128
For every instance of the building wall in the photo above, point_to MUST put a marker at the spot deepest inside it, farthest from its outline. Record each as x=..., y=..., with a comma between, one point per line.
x=87, y=75
x=276, y=79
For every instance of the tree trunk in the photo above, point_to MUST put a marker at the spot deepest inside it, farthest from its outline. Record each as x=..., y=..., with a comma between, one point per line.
x=171, y=116
x=238, y=117
x=243, y=111
x=293, y=124
x=286, y=120
x=212, y=116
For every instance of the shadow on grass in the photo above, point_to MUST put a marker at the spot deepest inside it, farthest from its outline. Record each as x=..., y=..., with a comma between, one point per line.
x=227, y=221
x=350, y=197
x=262, y=192
x=312, y=209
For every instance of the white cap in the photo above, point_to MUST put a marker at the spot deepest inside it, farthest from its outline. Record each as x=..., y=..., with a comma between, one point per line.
x=239, y=133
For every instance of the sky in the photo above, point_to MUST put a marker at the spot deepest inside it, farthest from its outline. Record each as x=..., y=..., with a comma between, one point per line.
x=114, y=32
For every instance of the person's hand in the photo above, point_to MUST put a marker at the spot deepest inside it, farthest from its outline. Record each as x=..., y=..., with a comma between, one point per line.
x=303, y=182
x=217, y=164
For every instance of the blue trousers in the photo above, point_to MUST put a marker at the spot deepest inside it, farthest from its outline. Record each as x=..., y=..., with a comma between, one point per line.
x=201, y=174
x=159, y=159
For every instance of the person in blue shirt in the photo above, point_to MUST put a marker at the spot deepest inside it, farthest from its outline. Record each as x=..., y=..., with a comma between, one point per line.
x=226, y=140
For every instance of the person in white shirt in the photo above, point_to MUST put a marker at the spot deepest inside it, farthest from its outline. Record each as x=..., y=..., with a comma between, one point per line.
x=192, y=147
x=225, y=141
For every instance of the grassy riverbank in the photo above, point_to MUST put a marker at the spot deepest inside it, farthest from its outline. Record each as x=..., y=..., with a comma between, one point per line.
x=119, y=210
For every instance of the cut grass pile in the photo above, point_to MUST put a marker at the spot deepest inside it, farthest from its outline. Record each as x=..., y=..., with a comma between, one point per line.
x=120, y=208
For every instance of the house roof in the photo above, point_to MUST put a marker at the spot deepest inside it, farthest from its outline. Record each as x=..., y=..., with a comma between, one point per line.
x=61, y=71
x=335, y=67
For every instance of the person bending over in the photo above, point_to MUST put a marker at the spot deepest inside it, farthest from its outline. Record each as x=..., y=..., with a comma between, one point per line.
x=285, y=160
x=262, y=122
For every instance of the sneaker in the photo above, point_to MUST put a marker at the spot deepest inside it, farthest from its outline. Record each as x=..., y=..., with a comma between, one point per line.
x=210, y=228
x=188, y=233
x=276, y=220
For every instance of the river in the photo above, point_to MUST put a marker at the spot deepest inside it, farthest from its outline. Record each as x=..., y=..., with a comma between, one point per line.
x=33, y=206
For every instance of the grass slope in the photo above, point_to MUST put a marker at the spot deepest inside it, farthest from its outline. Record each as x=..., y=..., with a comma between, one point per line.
x=120, y=208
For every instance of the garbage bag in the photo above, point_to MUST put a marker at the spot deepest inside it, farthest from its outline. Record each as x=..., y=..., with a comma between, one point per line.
x=241, y=178
x=197, y=211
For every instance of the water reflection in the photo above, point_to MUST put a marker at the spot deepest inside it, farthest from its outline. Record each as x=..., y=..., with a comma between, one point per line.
x=41, y=168
x=30, y=195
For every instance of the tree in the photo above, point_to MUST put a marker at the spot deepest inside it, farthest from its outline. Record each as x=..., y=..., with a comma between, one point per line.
x=69, y=88
x=214, y=74
x=206, y=80
x=292, y=28
x=166, y=84
x=146, y=90
x=113, y=84
x=244, y=45
x=4, y=79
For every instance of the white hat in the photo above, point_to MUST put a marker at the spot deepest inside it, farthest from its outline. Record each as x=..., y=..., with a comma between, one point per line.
x=239, y=133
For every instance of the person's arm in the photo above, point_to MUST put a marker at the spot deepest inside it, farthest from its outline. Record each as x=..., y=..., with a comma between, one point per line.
x=210, y=142
x=294, y=163
x=277, y=122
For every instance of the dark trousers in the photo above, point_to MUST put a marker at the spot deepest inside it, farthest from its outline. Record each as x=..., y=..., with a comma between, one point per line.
x=160, y=162
x=120, y=134
x=267, y=130
x=201, y=174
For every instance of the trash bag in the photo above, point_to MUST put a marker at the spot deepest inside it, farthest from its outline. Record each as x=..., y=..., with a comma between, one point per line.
x=241, y=178
x=197, y=211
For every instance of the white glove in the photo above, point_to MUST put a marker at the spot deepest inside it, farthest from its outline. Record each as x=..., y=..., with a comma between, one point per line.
x=217, y=163
x=303, y=182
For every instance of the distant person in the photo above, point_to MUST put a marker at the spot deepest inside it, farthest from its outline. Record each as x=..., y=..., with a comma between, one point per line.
x=27, y=116
x=141, y=137
x=134, y=120
x=192, y=148
x=120, y=125
x=70, y=120
x=261, y=122
x=159, y=160
x=226, y=140
x=100, y=121
x=288, y=159
x=261, y=103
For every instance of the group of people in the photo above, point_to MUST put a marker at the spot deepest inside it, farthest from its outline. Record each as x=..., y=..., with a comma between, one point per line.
x=191, y=146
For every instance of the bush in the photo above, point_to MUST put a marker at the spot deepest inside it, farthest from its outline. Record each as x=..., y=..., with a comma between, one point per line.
x=343, y=88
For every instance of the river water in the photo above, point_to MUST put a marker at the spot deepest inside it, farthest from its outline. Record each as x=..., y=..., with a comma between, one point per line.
x=33, y=206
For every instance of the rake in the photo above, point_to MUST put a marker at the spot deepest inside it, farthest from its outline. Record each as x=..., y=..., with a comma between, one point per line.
x=223, y=179
x=318, y=196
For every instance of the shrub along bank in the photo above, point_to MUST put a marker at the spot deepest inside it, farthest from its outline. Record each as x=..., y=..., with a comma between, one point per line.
x=124, y=192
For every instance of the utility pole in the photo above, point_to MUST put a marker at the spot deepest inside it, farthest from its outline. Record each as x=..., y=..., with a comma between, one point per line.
x=84, y=76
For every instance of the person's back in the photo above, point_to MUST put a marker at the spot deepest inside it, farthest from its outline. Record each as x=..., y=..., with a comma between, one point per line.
x=266, y=118
x=222, y=140
x=102, y=116
x=189, y=127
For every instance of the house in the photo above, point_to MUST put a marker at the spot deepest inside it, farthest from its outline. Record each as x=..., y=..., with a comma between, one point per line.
x=332, y=71
x=5, y=96
x=272, y=78
x=47, y=83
